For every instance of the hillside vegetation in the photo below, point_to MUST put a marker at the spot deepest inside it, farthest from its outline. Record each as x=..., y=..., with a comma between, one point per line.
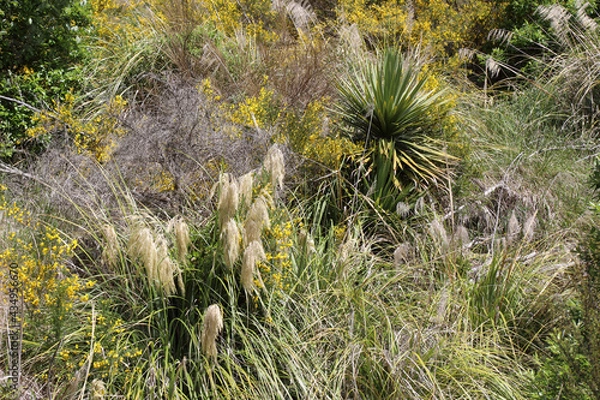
x=285, y=199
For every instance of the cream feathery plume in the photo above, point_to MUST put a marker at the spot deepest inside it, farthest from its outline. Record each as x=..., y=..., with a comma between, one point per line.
x=253, y=254
x=513, y=228
x=402, y=254
x=231, y=243
x=97, y=390
x=402, y=209
x=141, y=245
x=166, y=268
x=110, y=252
x=306, y=242
x=529, y=227
x=461, y=235
x=245, y=188
x=229, y=198
x=460, y=238
x=439, y=234
x=182, y=238
x=211, y=327
x=256, y=220
x=274, y=164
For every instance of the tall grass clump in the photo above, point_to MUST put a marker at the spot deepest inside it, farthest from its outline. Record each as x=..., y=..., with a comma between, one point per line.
x=574, y=67
x=306, y=310
x=528, y=159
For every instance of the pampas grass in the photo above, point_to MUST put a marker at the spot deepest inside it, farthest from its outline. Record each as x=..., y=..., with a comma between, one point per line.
x=230, y=237
x=182, y=237
x=229, y=198
x=97, y=390
x=166, y=268
x=111, y=247
x=253, y=254
x=141, y=246
x=211, y=327
x=256, y=220
x=246, y=184
x=274, y=165
x=529, y=227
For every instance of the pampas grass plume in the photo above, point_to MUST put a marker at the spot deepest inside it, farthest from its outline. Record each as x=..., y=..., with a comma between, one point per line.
x=402, y=209
x=97, y=390
x=513, y=228
x=256, y=220
x=141, y=245
x=182, y=238
x=229, y=199
x=245, y=188
x=110, y=252
x=231, y=243
x=529, y=228
x=274, y=164
x=211, y=327
x=402, y=254
x=166, y=268
x=439, y=234
x=253, y=253
x=460, y=236
x=306, y=242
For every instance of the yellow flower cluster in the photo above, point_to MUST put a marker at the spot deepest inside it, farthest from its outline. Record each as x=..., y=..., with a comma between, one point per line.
x=443, y=26
x=276, y=271
x=111, y=356
x=94, y=137
x=116, y=21
x=229, y=16
x=46, y=283
x=307, y=134
x=256, y=111
x=378, y=20
x=163, y=182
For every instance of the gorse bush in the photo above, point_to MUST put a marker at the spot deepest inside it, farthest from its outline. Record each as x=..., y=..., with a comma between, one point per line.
x=440, y=25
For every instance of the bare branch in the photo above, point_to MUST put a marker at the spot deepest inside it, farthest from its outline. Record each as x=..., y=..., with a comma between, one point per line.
x=21, y=103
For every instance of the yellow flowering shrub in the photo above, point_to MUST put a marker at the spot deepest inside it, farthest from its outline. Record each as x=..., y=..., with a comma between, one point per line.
x=113, y=355
x=276, y=270
x=307, y=135
x=94, y=137
x=256, y=111
x=443, y=26
x=56, y=310
x=115, y=20
x=47, y=286
x=378, y=20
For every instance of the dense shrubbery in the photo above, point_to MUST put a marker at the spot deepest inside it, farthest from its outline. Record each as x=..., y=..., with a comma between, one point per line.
x=40, y=45
x=268, y=200
x=41, y=33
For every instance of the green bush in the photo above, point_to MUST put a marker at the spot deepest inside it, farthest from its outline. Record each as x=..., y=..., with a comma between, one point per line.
x=39, y=89
x=40, y=43
x=571, y=367
x=39, y=33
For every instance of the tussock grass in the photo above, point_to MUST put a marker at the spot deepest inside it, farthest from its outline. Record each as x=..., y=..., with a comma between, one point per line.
x=254, y=291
